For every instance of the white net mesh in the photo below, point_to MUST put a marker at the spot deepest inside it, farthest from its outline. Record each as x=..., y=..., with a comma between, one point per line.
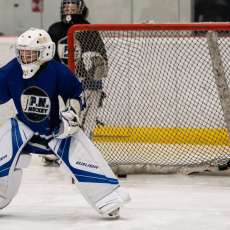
x=163, y=109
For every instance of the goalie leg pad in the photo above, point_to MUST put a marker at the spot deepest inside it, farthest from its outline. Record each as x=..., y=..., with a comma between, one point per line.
x=86, y=165
x=113, y=201
x=9, y=187
x=13, y=137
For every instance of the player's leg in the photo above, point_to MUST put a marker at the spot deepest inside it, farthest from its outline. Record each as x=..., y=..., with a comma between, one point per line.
x=89, y=117
x=99, y=121
x=13, y=137
x=96, y=181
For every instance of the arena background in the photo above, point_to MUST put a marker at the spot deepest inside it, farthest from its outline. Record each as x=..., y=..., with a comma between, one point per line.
x=17, y=15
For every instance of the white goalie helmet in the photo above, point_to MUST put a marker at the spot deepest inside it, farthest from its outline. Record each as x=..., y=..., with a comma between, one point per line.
x=33, y=48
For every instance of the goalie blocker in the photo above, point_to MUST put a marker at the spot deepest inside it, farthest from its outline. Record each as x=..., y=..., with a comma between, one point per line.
x=80, y=157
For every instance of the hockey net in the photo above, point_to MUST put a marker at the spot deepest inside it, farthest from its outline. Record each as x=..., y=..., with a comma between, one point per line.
x=167, y=98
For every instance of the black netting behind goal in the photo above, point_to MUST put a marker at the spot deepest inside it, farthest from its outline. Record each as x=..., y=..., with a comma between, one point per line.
x=157, y=95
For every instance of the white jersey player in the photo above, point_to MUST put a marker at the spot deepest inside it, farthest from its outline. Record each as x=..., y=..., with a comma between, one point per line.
x=34, y=81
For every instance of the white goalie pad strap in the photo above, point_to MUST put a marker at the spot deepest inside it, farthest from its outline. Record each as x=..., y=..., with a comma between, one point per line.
x=87, y=166
x=13, y=137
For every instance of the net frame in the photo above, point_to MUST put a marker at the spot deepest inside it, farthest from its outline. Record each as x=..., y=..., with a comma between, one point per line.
x=148, y=168
x=145, y=27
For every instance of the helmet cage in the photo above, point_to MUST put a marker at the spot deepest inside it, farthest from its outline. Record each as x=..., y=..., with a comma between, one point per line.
x=28, y=56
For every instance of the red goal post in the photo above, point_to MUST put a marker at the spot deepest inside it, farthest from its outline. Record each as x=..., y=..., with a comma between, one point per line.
x=177, y=114
x=146, y=27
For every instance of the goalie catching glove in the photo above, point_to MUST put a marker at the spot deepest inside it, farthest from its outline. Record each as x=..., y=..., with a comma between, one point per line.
x=70, y=122
x=95, y=65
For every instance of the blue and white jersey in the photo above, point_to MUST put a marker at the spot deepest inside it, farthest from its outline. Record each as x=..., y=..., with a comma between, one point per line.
x=36, y=99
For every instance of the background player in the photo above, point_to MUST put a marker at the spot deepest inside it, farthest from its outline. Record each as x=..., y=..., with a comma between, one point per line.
x=91, y=61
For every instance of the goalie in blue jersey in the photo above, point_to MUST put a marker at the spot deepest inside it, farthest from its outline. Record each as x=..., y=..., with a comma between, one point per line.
x=34, y=81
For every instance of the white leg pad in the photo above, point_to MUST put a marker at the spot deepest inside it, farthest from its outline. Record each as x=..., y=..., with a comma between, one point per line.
x=95, y=179
x=13, y=137
x=113, y=201
x=9, y=187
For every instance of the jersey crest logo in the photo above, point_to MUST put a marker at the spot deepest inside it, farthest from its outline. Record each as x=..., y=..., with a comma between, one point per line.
x=35, y=104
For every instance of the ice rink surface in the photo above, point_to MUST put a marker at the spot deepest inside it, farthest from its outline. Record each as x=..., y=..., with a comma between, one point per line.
x=47, y=200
